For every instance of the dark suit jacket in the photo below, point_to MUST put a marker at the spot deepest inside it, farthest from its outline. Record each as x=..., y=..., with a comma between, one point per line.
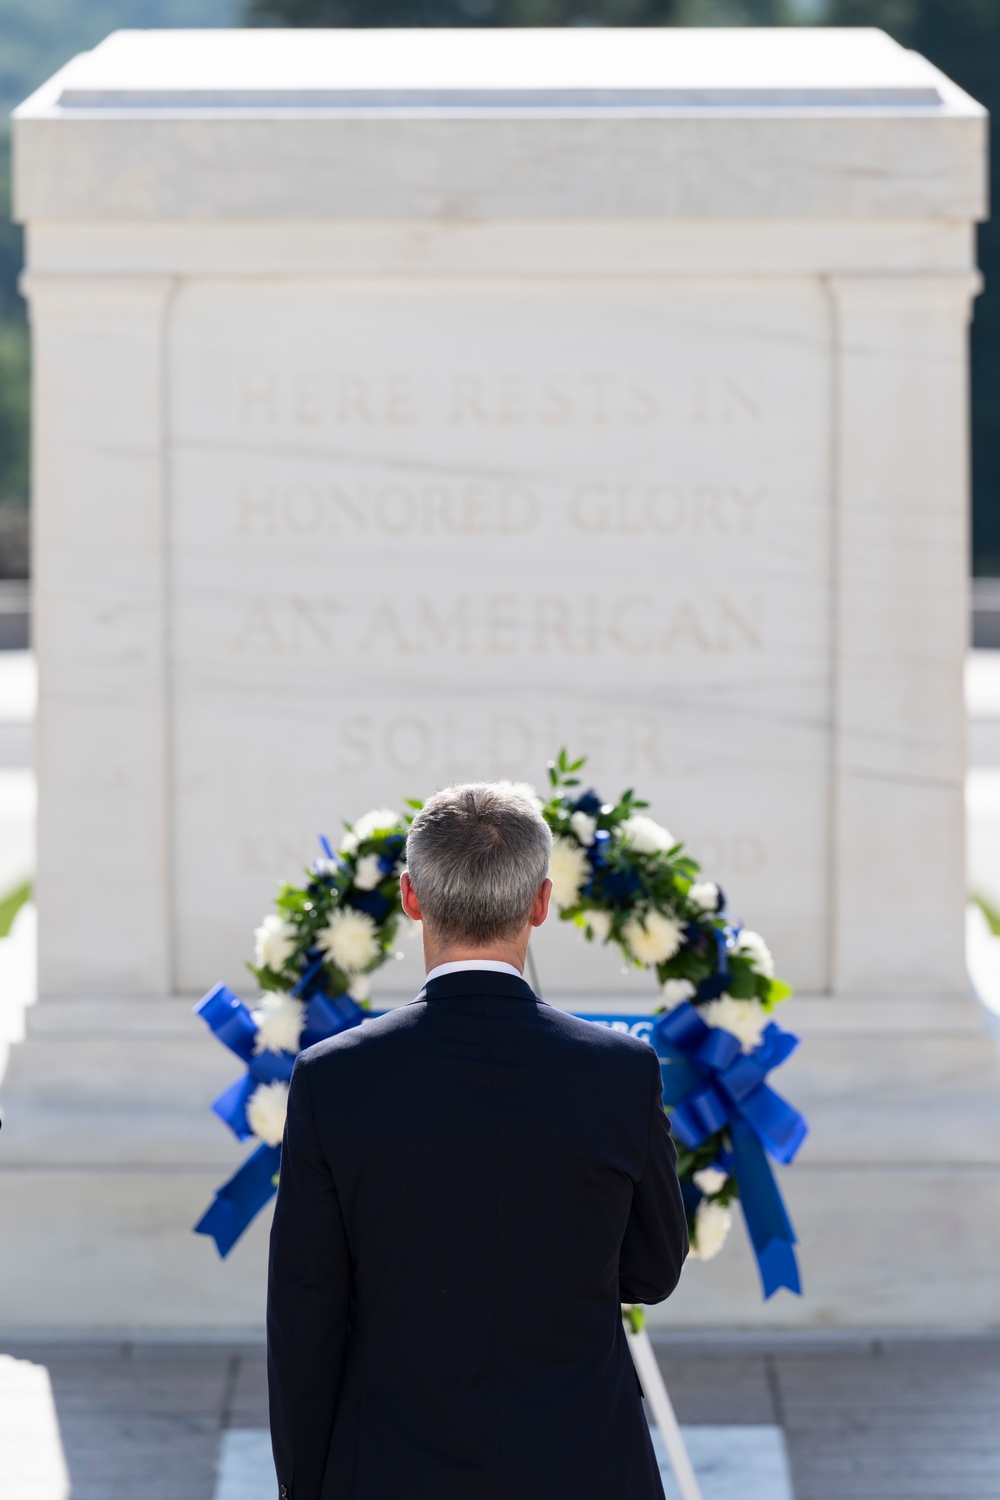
x=469, y=1187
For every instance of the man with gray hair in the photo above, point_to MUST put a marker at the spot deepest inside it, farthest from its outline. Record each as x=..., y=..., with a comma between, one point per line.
x=470, y=1186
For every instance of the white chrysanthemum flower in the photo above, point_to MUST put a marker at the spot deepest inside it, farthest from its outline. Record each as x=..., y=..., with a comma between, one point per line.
x=368, y=873
x=653, y=938
x=378, y=820
x=647, y=836
x=704, y=896
x=710, y=1180
x=358, y=987
x=751, y=946
x=266, y=1110
x=568, y=870
x=350, y=940
x=523, y=789
x=414, y=929
x=676, y=991
x=279, y=1023
x=746, y=1019
x=599, y=923
x=274, y=940
x=712, y=1223
x=584, y=826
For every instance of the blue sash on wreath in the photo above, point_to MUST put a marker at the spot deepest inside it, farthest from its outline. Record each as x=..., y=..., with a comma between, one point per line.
x=710, y=1084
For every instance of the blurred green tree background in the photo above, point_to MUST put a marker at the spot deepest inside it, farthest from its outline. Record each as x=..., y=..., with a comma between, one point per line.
x=961, y=36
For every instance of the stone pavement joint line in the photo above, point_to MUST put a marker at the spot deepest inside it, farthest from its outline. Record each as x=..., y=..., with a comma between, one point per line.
x=893, y=1420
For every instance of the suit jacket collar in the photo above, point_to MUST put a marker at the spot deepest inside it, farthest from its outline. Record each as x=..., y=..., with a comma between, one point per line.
x=472, y=982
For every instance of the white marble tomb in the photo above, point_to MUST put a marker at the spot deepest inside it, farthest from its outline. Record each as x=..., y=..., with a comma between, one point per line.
x=410, y=404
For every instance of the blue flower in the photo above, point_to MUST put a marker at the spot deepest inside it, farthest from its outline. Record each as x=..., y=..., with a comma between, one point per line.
x=588, y=802
x=374, y=903
x=712, y=987
x=619, y=885
x=599, y=849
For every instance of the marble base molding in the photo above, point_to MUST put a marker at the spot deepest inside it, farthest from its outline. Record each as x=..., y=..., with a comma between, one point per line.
x=110, y=1156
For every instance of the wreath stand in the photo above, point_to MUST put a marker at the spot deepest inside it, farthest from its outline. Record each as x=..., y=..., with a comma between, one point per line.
x=655, y=1392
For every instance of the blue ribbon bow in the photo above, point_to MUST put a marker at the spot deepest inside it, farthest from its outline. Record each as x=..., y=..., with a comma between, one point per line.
x=709, y=1084
x=240, y=1199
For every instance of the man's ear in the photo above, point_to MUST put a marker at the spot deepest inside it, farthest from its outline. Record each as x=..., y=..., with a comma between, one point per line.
x=408, y=896
x=540, y=910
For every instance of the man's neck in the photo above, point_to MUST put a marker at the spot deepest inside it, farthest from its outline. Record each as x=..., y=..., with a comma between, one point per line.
x=497, y=953
x=472, y=968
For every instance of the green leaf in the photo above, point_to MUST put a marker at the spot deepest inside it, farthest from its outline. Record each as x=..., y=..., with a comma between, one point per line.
x=268, y=980
x=11, y=905
x=778, y=990
x=742, y=982
x=728, y=1193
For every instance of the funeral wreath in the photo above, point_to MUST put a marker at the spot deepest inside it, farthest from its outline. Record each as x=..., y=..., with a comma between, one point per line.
x=621, y=879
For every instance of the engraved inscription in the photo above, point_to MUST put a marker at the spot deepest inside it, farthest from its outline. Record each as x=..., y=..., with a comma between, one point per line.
x=360, y=401
x=311, y=399
x=504, y=624
x=496, y=507
x=463, y=507
x=499, y=743
x=598, y=399
x=665, y=509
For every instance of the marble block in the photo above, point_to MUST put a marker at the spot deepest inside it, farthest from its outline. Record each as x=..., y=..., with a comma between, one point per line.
x=32, y=1461
x=408, y=405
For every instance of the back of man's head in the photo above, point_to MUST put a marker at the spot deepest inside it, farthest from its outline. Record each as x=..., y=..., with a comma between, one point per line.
x=477, y=854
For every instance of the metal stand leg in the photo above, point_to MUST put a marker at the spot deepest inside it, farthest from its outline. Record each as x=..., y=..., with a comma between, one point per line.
x=663, y=1413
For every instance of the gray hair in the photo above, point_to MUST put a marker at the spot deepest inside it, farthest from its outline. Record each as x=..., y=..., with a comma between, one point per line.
x=477, y=854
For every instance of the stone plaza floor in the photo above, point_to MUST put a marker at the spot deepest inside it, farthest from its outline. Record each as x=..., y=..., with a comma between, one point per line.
x=868, y=1420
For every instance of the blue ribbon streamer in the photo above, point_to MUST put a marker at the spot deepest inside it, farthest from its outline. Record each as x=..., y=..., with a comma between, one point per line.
x=240, y=1199
x=764, y=1213
x=710, y=1084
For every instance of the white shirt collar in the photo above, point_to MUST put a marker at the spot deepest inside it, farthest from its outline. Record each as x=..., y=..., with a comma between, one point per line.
x=493, y=965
